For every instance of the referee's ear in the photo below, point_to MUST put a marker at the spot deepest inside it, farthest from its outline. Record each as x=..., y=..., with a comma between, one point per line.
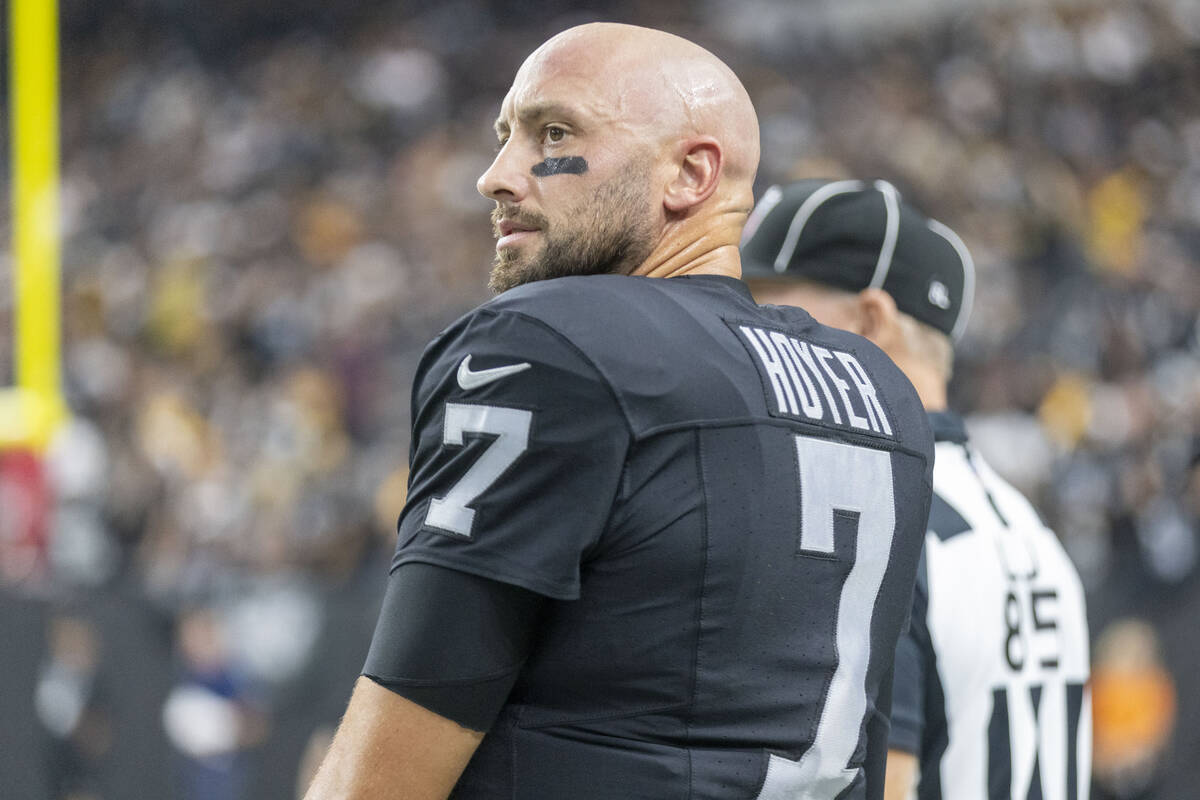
x=878, y=319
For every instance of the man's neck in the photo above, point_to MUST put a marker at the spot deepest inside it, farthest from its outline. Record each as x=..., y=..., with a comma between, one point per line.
x=724, y=260
x=697, y=247
x=930, y=386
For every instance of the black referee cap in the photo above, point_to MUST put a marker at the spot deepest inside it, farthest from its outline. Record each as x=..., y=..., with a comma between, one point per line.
x=855, y=234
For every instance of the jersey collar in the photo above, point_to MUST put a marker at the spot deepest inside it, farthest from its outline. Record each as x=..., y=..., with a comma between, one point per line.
x=947, y=427
x=736, y=284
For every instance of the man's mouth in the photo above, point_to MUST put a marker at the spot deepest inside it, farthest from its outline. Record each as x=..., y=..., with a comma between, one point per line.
x=510, y=232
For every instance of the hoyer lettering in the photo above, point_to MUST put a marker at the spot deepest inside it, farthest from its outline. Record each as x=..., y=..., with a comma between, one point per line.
x=817, y=383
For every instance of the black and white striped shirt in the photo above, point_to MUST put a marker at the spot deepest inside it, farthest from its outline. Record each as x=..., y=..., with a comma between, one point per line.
x=990, y=684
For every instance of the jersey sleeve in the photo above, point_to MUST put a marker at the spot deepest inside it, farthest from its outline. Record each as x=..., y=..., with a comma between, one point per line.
x=913, y=660
x=466, y=677
x=518, y=445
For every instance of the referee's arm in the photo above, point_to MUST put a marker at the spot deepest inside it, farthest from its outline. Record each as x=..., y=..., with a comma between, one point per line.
x=901, y=775
x=913, y=669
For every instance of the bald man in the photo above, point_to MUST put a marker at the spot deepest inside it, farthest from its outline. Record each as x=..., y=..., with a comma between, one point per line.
x=658, y=542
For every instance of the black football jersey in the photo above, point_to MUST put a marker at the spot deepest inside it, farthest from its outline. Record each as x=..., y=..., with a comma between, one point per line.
x=724, y=504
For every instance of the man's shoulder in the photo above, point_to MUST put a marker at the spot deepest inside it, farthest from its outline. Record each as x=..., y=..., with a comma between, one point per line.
x=577, y=291
x=598, y=303
x=593, y=316
x=505, y=337
x=623, y=322
x=569, y=308
x=661, y=345
x=622, y=307
x=692, y=349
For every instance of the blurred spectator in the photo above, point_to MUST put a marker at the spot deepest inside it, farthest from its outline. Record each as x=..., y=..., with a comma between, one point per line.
x=73, y=710
x=82, y=550
x=209, y=716
x=1133, y=702
x=25, y=512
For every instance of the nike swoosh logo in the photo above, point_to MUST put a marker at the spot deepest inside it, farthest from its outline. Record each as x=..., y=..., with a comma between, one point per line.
x=472, y=379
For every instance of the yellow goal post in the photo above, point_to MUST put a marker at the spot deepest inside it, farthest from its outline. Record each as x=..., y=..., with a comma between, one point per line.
x=33, y=408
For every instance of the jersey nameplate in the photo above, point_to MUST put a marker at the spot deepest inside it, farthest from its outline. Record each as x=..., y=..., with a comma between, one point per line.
x=809, y=382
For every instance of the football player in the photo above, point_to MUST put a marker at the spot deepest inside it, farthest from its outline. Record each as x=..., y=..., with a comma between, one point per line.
x=990, y=696
x=659, y=542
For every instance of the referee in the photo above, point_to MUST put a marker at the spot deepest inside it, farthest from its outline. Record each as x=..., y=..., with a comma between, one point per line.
x=990, y=699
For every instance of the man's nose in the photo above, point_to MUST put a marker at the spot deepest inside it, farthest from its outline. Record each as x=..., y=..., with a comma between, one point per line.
x=506, y=180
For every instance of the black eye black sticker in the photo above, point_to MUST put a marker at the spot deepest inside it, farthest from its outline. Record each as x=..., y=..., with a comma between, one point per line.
x=567, y=165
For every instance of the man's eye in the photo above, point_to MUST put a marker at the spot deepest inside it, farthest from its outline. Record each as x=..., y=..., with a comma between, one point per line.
x=555, y=134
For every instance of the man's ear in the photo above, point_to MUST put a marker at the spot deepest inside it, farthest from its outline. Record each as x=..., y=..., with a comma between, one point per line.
x=879, y=319
x=697, y=175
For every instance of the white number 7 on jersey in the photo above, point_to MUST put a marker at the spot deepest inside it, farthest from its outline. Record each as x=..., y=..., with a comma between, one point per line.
x=840, y=477
x=511, y=427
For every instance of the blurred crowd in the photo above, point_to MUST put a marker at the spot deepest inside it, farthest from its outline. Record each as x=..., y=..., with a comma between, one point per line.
x=267, y=216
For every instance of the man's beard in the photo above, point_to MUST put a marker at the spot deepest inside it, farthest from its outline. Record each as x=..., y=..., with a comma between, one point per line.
x=611, y=232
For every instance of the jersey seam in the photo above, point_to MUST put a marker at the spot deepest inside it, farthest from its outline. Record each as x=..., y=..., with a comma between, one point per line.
x=695, y=680
x=617, y=401
x=872, y=441
x=572, y=720
x=969, y=457
x=625, y=416
x=422, y=683
x=873, y=654
x=423, y=555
